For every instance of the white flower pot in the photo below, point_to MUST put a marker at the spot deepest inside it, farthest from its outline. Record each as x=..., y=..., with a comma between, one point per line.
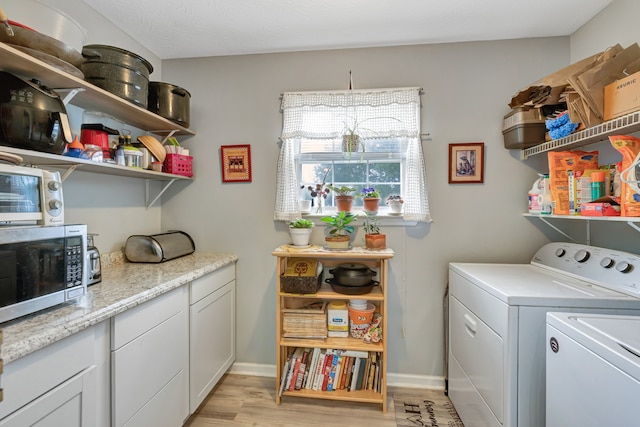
x=300, y=236
x=395, y=207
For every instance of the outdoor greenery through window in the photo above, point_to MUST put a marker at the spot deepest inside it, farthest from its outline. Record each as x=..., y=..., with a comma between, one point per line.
x=316, y=130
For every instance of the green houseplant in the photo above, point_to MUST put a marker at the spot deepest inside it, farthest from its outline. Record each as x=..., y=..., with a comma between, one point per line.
x=300, y=230
x=373, y=238
x=344, y=197
x=339, y=229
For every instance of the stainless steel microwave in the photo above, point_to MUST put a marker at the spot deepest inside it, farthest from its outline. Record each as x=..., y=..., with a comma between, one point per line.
x=40, y=267
x=30, y=196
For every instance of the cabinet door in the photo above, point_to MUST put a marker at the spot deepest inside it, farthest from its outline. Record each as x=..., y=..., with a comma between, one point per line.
x=150, y=372
x=70, y=404
x=212, y=341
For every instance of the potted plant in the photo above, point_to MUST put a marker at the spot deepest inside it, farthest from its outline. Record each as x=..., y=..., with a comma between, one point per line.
x=344, y=198
x=370, y=199
x=351, y=134
x=373, y=238
x=395, y=202
x=339, y=228
x=300, y=231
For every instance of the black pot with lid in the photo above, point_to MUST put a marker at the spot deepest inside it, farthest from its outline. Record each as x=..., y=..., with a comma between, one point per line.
x=32, y=116
x=353, y=274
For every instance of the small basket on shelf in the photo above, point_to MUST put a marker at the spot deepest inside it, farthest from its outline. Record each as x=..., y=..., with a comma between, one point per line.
x=302, y=276
x=178, y=164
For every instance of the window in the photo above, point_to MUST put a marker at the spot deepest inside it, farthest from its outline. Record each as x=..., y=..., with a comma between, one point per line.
x=388, y=123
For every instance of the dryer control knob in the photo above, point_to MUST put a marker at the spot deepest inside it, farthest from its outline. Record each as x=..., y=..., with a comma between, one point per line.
x=606, y=262
x=581, y=255
x=560, y=252
x=624, y=267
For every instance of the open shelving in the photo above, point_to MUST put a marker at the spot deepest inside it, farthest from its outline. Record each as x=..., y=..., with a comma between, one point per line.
x=375, y=259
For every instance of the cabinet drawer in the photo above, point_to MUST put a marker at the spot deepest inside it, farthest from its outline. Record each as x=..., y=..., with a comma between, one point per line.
x=29, y=377
x=146, y=365
x=203, y=286
x=135, y=322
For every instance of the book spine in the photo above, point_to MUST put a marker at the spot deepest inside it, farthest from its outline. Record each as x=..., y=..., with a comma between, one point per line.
x=312, y=369
x=317, y=382
x=328, y=363
x=354, y=375
x=332, y=372
x=283, y=380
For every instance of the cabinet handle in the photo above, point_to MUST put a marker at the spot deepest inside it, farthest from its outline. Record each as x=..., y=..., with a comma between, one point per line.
x=470, y=325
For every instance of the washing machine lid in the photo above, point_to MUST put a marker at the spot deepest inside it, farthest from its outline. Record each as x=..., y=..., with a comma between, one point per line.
x=615, y=338
x=531, y=285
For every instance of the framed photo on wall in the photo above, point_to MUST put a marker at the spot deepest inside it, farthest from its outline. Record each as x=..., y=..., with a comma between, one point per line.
x=236, y=163
x=466, y=163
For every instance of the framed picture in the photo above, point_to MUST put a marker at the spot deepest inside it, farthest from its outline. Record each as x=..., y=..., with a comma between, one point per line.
x=466, y=163
x=236, y=163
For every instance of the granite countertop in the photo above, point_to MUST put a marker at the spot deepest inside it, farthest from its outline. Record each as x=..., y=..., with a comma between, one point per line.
x=124, y=285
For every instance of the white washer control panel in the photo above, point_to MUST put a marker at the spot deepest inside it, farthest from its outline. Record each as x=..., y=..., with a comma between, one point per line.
x=615, y=270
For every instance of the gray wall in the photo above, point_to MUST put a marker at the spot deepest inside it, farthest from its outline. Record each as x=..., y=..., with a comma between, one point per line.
x=235, y=100
x=466, y=90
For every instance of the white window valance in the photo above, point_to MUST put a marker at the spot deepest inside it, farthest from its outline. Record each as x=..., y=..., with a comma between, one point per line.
x=371, y=113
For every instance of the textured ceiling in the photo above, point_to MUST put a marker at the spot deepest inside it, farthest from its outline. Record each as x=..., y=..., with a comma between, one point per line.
x=195, y=28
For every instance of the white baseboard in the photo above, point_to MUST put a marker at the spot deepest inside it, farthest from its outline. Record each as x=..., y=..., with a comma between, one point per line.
x=393, y=380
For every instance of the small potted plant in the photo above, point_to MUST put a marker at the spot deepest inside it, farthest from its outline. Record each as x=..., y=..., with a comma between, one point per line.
x=395, y=202
x=373, y=238
x=344, y=197
x=339, y=229
x=300, y=230
x=370, y=199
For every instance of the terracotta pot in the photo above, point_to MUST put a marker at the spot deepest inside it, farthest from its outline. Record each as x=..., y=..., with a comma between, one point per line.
x=337, y=242
x=371, y=204
x=375, y=241
x=344, y=203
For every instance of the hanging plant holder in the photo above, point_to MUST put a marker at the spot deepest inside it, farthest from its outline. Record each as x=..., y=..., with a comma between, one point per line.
x=350, y=143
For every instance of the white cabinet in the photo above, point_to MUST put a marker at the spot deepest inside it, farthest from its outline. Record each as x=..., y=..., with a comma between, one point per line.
x=212, y=331
x=149, y=363
x=53, y=384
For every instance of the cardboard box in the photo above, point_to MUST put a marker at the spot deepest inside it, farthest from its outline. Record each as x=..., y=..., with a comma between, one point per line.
x=599, y=209
x=622, y=97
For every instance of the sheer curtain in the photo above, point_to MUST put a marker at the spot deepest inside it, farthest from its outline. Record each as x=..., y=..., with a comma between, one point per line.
x=373, y=113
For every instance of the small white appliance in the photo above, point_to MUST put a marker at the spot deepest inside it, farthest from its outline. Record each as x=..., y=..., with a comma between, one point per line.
x=593, y=370
x=497, y=325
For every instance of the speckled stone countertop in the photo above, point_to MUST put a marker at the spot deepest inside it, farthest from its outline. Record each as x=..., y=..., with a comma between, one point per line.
x=124, y=285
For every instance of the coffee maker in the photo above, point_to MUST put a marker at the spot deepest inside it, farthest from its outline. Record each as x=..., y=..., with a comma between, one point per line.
x=93, y=266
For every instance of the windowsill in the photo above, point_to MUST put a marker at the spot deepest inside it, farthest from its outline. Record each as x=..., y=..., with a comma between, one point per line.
x=384, y=219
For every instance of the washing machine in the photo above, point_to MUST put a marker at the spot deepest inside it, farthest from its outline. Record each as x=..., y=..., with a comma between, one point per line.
x=593, y=370
x=497, y=325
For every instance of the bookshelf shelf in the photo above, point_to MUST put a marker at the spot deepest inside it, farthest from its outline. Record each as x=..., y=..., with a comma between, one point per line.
x=376, y=352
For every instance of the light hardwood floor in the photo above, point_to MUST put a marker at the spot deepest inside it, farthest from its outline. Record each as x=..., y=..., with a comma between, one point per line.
x=240, y=400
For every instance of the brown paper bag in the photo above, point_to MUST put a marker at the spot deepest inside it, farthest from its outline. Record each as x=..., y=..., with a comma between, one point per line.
x=590, y=83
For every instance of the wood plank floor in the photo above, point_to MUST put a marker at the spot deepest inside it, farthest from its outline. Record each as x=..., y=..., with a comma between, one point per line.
x=240, y=400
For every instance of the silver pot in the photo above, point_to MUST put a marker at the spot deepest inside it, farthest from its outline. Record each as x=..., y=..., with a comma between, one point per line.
x=353, y=274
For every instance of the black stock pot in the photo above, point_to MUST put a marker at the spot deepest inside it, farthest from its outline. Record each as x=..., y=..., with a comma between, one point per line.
x=353, y=274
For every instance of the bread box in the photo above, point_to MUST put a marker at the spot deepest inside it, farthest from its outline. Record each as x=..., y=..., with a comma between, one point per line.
x=158, y=247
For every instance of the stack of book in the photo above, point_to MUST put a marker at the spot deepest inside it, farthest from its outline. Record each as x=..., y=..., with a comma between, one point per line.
x=330, y=370
x=309, y=321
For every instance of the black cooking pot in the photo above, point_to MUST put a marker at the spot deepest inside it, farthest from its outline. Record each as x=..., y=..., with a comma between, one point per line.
x=118, y=71
x=169, y=101
x=351, y=290
x=353, y=274
x=32, y=116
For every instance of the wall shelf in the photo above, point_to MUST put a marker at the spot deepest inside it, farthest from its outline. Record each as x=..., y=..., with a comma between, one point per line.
x=89, y=96
x=631, y=222
x=625, y=124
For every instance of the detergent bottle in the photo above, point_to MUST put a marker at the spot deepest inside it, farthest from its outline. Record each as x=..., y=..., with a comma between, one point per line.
x=546, y=202
x=535, y=195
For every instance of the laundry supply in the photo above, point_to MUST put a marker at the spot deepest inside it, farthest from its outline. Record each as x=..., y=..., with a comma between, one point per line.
x=629, y=147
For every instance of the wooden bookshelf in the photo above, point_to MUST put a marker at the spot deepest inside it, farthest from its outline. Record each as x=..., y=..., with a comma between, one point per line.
x=375, y=259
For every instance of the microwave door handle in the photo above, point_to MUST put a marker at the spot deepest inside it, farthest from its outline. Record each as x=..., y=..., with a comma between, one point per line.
x=27, y=123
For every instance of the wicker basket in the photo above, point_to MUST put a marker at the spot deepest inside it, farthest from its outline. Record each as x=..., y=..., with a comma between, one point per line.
x=298, y=279
x=178, y=164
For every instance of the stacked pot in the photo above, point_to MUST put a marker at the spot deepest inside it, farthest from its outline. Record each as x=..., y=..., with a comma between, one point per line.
x=352, y=279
